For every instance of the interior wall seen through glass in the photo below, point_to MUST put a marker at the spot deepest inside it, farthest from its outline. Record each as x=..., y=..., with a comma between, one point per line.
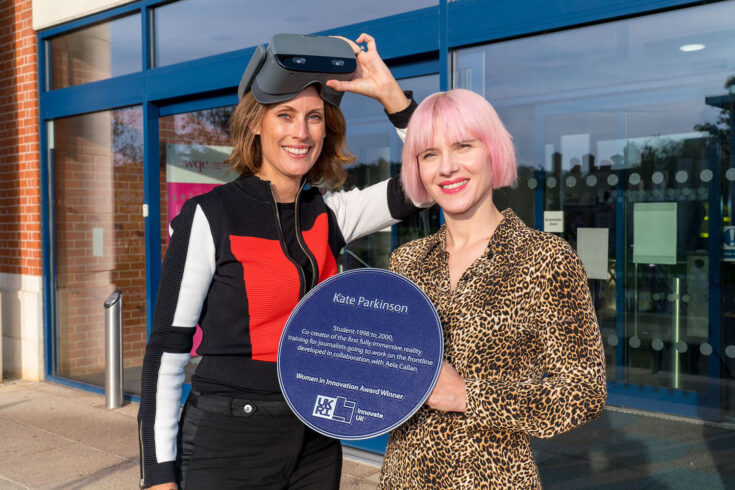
x=99, y=240
x=94, y=53
x=622, y=132
x=191, y=29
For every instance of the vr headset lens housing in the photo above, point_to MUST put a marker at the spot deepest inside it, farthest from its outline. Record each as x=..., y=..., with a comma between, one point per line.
x=292, y=62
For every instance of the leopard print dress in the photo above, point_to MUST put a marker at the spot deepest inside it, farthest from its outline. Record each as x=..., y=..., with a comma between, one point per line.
x=521, y=330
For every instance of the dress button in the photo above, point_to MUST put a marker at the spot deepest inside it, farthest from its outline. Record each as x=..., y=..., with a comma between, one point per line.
x=248, y=408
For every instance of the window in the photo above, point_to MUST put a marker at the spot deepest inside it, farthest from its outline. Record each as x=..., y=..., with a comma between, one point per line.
x=191, y=29
x=95, y=53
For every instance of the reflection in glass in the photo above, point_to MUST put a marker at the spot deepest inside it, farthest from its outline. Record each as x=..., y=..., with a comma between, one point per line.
x=95, y=53
x=374, y=141
x=99, y=240
x=620, y=107
x=191, y=29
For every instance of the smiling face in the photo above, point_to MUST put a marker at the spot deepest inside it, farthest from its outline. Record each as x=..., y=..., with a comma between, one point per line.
x=464, y=129
x=456, y=174
x=292, y=135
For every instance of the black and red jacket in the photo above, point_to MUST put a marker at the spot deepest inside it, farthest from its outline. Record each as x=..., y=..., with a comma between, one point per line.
x=228, y=269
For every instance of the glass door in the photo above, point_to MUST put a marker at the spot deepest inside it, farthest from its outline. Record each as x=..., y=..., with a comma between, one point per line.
x=99, y=240
x=642, y=213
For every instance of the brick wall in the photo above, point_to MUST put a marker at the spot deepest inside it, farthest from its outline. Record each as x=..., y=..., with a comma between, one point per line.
x=20, y=201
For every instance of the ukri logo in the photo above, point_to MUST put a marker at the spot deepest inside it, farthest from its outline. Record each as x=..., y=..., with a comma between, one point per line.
x=339, y=409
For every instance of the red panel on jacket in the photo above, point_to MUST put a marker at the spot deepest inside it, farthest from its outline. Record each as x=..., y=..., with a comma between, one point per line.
x=266, y=269
x=317, y=240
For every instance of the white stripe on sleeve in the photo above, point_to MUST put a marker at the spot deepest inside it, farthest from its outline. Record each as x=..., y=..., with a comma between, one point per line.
x=168, y=401
x=361, y=212
x=198, y=272
x=401, y=133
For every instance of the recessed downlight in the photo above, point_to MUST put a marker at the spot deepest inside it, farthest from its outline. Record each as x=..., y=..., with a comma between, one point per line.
x=688, y=48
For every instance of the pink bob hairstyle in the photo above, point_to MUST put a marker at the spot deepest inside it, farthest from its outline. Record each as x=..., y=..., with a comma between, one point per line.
x=460, y=115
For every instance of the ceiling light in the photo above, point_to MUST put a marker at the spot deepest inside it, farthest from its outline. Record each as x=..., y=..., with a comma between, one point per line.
x=691, y=47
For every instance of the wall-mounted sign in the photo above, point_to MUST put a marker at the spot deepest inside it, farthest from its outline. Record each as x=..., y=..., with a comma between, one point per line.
x=592, y=248
x=554, y=221
x=728, y=243
x=654, y=233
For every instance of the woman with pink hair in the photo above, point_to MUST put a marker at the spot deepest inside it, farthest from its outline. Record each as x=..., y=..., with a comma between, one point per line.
x=523, y=354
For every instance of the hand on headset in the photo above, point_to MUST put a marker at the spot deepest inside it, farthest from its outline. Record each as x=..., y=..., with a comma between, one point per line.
x=372, y=77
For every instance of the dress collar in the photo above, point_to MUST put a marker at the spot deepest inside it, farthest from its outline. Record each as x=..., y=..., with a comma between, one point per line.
x=504, y=240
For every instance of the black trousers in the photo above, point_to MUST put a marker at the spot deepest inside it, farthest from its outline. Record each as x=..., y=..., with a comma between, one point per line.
x=232, y=443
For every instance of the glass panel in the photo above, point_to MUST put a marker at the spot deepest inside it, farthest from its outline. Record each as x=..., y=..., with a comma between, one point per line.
x=721, y=131
x=194, y=146
x=99, y=239
x=95, y=53
x=620, y=128
x=374, y=141
x=191, y=29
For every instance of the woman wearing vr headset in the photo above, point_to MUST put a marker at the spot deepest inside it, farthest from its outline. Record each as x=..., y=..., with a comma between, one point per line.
x=240, y=258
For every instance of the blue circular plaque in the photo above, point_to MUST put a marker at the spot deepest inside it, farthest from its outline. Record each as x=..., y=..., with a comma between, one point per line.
x=360, y=354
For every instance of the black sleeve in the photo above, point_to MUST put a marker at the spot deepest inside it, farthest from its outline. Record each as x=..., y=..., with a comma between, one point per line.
x=400, y=119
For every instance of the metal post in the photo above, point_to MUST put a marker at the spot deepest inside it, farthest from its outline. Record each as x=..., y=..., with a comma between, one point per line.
x=677, y=332
x=113, y=351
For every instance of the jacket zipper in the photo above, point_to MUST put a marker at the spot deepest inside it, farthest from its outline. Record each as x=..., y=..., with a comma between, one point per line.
x=314, y=272
x=142, y=456
x=302, y=276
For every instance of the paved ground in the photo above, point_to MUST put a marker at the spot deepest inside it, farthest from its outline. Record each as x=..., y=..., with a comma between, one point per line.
x=633, y=450
x=54, y=437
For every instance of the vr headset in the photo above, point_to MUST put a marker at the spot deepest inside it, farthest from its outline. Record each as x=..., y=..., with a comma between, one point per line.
x=292, y=62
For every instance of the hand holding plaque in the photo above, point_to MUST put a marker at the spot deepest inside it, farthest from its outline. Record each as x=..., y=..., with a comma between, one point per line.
x=360, y=354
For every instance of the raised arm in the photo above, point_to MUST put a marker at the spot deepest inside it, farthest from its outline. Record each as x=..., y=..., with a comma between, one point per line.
x=360, y=212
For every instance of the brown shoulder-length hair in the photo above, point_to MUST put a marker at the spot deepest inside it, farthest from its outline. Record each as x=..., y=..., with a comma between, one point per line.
x=247, y=155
